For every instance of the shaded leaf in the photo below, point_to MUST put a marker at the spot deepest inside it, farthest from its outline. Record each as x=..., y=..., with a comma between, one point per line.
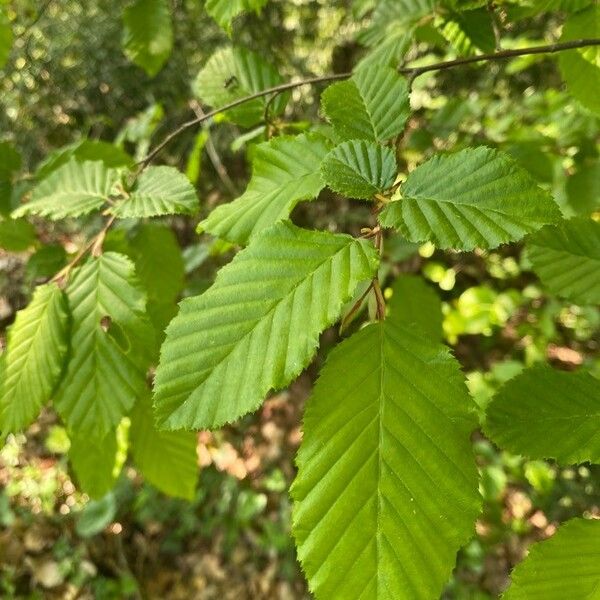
x=6, y=38
x=17, y=235
x=225, y=11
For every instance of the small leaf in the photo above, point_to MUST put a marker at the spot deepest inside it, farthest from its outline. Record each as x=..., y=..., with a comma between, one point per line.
x=16, y=235
x=158, y=191
x=565, y=566
x=386, y=492
x=581, y=68
x=372, y=105
x=225, y=11
x=285, y=171
x=359, y=169
x=567, y=259
x=148, y=34
x=96, y=516
x=477, y=197
x=167, y=459
x=414, y=302
x=102, y=382
x=233, y=73
x=258, y=325
x=73, y=190
x=32, y=363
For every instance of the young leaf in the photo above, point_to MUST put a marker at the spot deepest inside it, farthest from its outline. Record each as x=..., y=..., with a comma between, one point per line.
x=413, y=301
x=96, y=462
x=386, y=491
x=567, y=259
x=167, y=459
x=372, y=105
x=158, y=191
x=233, y=73
x=225, y=11
x=581, y=68
x=477, y=197
x=111, y=344
x=31, y=365
x=544, y=413
x=565, y=566
x=359, y=169
x=148, y=34
x=285, y=171
x=258, y=325
x=72, y=190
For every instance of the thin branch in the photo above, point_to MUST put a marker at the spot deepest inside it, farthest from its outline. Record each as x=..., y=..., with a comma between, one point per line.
x=411, y=72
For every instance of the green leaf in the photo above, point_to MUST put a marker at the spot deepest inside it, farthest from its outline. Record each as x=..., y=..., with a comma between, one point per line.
x=372, y=105
x=389, y=52
x=73, y=190
x=111, y=343
x=96, y=515
x=477, y=197
x=46, y=262
x=386, y=492
x=565, y=566
x=545, y=413
x=359, y=169
x=6, y=38
x=158, y=191
x=148, y=34
x=32, y=363
x=258, y=325
x=96, y=462
x=225, y=11
x=468, y=31
x=233, y=73
x=10, y=160
x=567, y=259
x=16, y=235
x=285, y=171
x=93, y=150
x=581, y=68
x=413, y=301
x=583, y=189
x=167, y=459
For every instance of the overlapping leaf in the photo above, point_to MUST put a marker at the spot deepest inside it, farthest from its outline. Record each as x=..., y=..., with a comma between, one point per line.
x=225, y=11
x=386, y=491
x=477, y=197
x=371, y=105
x=111, y=343
x=567, y=259
x=257, y=327
x=32, y=363
x=158, y=191
x=285, y=171
x=544, y=413
x=359, y=169
x=565, y=566
x=468, y=31
x=167, y=459
x=72, y=190
x=233, y=73
x=148, y=34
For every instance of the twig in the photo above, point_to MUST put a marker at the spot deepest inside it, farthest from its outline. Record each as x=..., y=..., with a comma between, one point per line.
x=411, y=72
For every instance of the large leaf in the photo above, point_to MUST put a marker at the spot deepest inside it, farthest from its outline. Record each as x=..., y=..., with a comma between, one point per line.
x=386, y=491
x=225, y=11
x=566, y=566
x=31, y=366
x=158, y=191
x=413, y=301
x=544, y=413
x=285, y=171
x=359, y=169
x=581, y=68
x=72, y=190
x=475, y=197
x=233, y=73
x=167, y=459
x=257, y=327
x=148, y=34
x=567, y=259
x=372, y=105
x=111, y=342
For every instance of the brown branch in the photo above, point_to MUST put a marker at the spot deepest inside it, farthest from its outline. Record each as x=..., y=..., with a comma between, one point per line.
x=409, y=71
